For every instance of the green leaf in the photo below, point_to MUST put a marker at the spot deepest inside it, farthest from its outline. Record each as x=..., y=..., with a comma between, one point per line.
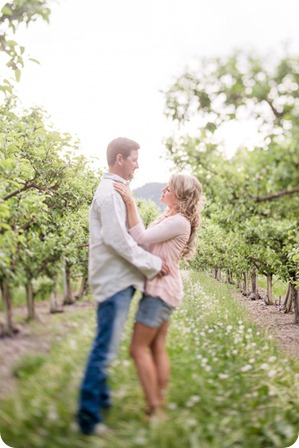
x=34, y=60
x=18, y=75
x=6, y=11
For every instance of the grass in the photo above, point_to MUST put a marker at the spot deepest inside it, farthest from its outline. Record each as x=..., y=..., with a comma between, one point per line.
x=279, y=287
x=230, y=385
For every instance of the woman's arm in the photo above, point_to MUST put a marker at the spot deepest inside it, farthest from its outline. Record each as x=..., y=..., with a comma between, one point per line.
x=125, y=193
x=163, y=231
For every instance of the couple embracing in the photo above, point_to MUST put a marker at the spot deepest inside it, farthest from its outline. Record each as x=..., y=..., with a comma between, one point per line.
x=123, y=257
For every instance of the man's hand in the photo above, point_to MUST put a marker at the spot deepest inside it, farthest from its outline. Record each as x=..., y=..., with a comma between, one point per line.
x=164, y=269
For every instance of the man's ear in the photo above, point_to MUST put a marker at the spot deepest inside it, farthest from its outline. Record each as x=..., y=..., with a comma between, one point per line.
x=119, y=159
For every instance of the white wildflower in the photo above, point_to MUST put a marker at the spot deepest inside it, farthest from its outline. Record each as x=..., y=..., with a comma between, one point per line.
x=223, y=376
x=272, y=359
x=191, y=422
x=172, y=406
x=246, y=368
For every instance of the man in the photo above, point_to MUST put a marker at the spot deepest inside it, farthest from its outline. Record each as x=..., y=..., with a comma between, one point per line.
x=117, y=267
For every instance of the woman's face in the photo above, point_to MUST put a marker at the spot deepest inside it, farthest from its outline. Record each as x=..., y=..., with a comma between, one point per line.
x=168, y=197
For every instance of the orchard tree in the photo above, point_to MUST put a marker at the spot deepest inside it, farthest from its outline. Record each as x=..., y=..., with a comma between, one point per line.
x=261, y=182
x=43, y=180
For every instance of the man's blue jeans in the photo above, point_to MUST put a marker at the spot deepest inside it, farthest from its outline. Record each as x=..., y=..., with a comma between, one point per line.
x=94, y=391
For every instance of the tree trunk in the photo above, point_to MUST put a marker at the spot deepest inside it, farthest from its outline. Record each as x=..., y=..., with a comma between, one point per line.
x=246, y=284
x=229, y=278
x=30, y=301
x=269, y=300
x=8, y=328
x=240, y=284
x=83, y=287
x=287, y=305
x=295, y=300
x=254, y=295
x=54, y=307
x=68, y=294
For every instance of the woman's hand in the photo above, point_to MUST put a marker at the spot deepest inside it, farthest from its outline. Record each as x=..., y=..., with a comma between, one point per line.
x=124, y=191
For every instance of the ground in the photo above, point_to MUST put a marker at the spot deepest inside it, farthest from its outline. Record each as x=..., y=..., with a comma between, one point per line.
x=280, y=325
x=37, y=338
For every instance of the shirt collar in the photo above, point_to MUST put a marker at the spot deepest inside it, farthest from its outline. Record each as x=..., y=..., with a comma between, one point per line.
x=115, y=177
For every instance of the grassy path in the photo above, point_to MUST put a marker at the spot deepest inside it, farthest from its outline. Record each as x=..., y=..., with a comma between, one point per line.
x=230, y=387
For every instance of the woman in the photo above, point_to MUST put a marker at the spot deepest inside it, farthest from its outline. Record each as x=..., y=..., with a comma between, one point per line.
x=171, y=237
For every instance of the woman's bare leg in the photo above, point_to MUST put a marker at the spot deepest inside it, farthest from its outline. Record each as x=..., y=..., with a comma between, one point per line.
x=161, y=361
x=142, y=339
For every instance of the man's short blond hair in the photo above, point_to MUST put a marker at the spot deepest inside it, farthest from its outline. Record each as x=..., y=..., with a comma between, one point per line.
x=120, y=145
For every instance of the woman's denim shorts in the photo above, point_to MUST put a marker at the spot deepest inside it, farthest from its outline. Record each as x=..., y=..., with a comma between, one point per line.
x=153, y=311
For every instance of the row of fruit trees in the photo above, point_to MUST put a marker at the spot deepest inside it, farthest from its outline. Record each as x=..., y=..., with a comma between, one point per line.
x=250, y=216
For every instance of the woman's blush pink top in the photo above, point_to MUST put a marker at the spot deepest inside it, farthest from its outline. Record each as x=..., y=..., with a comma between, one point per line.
x=166, y=238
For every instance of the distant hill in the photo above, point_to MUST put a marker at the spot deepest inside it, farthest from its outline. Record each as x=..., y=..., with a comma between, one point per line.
x=150, y=191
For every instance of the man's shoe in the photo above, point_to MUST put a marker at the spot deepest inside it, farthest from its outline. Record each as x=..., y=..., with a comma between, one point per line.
x=101, y=430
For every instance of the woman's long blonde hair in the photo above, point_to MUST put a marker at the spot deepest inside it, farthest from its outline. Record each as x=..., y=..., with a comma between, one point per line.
x=188, y=191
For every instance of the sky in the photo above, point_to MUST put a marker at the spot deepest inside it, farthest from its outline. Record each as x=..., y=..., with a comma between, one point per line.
x=103, y=65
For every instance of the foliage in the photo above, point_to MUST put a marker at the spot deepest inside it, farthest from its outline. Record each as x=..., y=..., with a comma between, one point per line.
x=148, y=211
x=12, y=15
x=252, y=197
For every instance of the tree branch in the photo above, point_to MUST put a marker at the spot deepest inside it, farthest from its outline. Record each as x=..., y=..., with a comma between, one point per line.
x=28, y=186
x=275, y=112
x=281, y=193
